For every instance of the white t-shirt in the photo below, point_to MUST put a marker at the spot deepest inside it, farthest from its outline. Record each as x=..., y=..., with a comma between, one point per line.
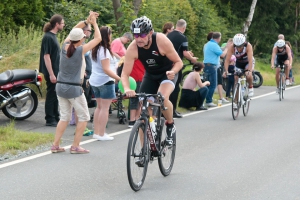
x=98, y=77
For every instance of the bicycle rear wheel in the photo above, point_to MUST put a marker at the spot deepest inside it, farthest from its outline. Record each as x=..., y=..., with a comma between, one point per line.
x=167, y=153
x=236, y=104
x=137, y=163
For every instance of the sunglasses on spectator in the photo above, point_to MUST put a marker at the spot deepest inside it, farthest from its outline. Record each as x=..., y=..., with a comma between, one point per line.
x=141, y=35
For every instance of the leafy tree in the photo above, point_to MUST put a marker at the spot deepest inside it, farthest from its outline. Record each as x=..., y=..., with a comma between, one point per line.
x=14, y=13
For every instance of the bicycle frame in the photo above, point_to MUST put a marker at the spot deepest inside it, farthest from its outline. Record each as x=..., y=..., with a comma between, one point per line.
x=281, y=83
x=145, y=117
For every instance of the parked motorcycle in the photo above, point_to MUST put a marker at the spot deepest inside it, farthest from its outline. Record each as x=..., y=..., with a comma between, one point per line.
x=17, y=101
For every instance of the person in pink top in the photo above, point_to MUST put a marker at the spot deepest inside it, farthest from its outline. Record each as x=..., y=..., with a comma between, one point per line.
x=118, y=45
x=190, y=97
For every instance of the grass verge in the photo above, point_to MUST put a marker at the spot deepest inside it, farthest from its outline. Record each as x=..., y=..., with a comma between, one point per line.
x=13, y=140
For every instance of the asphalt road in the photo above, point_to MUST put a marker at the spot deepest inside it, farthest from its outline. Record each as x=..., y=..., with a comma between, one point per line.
x=253, y=157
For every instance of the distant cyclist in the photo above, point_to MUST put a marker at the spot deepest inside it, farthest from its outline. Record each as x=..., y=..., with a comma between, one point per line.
x=284, y=56
x=161, y=63
x=244, y=59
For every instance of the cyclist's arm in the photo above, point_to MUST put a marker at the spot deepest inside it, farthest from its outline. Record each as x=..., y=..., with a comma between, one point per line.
x=130, y=56
x=289, y=52
x=166, y=48
x=273, y=56
x=250, y=56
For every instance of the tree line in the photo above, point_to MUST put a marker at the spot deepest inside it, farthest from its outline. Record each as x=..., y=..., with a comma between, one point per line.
x=270, y=18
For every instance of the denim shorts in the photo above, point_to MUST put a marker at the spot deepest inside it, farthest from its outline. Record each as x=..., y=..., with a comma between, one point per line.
x=104, y=91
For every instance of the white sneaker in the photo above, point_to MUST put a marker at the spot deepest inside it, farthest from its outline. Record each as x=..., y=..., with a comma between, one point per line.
x=224, y=100
x=211, y=104
x=234, y=106
x=251, y=92
x=103, y=138
x=287, y=82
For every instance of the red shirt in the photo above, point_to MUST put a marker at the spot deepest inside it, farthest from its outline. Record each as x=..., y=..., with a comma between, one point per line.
x=138, y=70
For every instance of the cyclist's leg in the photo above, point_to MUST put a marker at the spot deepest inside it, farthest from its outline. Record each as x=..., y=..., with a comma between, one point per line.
x=166, y=88
x=150, y=85
x=287, y=71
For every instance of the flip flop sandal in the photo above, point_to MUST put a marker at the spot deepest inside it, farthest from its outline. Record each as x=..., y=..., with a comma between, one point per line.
x=78, y=150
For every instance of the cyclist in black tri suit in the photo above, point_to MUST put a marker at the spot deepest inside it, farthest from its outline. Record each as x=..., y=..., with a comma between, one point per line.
x=284, y=56
x=161, y=63
x=244, y=59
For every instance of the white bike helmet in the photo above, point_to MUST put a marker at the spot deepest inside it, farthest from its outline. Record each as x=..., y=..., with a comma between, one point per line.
x=280, y=43
x=141, y=25
x=239, y=39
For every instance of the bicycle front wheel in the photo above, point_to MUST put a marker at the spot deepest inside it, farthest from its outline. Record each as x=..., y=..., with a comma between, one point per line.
x=137, y=161
x=167, y=153
x=236, y=101
x=246, y=103
x=280, y=87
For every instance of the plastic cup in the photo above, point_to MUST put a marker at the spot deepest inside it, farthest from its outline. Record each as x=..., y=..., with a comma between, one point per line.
x=219, y=103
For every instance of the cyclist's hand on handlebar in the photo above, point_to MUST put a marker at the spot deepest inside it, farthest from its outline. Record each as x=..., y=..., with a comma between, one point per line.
x=130, y=93
x=170, y=75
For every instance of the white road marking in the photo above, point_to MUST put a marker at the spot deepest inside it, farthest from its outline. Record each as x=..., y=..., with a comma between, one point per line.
x=119, y=132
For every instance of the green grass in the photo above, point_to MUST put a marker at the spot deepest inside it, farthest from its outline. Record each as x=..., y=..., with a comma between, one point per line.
x=13, y=140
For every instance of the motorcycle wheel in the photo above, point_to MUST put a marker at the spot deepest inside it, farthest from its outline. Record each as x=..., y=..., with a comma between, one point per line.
x=257, y=80
x=23, y=108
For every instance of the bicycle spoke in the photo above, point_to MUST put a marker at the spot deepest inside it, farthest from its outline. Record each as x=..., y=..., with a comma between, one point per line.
x=167, y=157
x=137, y=163
x=236, y=101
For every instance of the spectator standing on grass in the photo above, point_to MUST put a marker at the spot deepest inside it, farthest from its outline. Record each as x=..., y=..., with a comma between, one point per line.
x=230, y=76
x=88, y=70
x=102, y=81
x=291, y=72
x=118, y=45
x=168, y=28
x=69, y=81
x=212, y=52
x=137, y=74
x=49, y=66
x=180, y=43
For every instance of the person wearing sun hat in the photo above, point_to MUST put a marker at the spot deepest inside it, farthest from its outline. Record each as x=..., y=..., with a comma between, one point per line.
x=69, y=81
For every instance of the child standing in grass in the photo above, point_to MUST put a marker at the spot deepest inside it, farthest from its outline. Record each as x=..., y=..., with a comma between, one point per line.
x=230, y=77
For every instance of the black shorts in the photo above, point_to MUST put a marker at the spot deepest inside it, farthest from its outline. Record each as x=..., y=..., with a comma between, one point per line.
x=241, y=65
x=280, y=62
x=219, y=75
x=151, y=82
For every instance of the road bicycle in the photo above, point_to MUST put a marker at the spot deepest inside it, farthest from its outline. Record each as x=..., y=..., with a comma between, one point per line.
x=144, y=146
x=282, y=77
x=240, y=94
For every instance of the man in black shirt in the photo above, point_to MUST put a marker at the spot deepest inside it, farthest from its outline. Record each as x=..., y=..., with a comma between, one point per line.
x=161, y=63
x=49, y=66
x=180, y=44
